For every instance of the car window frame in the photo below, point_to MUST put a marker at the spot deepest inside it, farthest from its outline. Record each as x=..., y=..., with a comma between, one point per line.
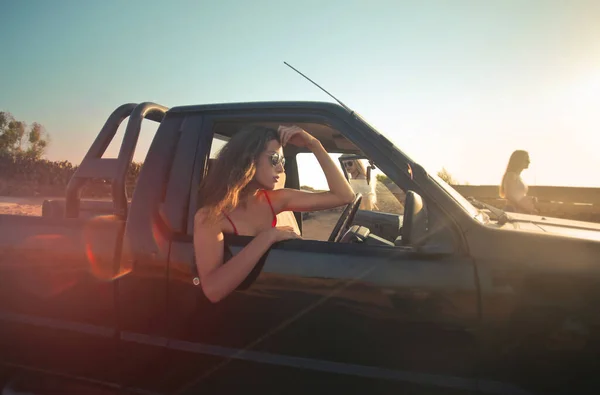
x=203, y=154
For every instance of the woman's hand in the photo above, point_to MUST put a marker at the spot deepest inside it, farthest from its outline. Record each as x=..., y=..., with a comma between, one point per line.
x=281, y=233
x=295, y=136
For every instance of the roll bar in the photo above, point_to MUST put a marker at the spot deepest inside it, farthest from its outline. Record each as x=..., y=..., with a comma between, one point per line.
x=115, y=169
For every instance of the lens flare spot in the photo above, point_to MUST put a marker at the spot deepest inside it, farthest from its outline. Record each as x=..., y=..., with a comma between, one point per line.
x=102, y=239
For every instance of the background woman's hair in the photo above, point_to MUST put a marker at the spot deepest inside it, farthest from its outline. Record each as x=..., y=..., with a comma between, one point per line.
x=233, y=169
x=515, y=164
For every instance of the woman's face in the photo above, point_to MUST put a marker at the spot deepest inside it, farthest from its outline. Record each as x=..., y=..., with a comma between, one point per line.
x=350, y=166
x=270, y=165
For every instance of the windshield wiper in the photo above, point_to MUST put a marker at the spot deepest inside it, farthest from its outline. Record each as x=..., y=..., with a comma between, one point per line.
x=501, y=215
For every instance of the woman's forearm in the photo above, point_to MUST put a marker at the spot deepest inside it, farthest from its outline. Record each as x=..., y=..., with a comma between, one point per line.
x=227, y=277
x=335, y=179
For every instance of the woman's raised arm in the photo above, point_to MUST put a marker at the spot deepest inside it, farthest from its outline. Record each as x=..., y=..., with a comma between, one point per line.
x=340, y=192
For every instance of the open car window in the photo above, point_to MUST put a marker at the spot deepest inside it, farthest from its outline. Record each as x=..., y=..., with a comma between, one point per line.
x=377, y=220
x=316, y=225
x=379, y=192
x=382, y=205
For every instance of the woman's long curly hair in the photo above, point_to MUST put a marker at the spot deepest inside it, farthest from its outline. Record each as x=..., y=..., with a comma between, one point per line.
x=233, y=169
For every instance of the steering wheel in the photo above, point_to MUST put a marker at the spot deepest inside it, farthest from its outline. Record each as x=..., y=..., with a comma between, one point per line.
x=343, y=224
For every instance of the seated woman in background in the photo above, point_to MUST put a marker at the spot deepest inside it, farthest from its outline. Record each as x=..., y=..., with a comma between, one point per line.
x=512, y=187
x=358, y=182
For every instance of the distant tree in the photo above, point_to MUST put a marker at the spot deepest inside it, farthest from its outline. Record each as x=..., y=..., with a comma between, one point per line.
x=11, y=134
x=38, y=141
x=17, y=139
x=446, y=176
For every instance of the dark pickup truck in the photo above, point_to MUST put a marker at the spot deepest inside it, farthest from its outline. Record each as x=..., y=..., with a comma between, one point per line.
x=103, y=297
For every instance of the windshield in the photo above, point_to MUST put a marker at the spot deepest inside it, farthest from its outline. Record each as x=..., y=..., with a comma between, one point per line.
x=460, y=199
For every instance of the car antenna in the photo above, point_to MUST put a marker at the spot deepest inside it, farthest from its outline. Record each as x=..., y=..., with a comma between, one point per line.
x=318, y=86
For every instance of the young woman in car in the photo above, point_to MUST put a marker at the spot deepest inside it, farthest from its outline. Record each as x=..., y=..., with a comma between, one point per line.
x=238, y=197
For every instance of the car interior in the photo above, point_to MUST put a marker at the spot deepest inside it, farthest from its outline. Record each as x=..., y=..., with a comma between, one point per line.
x=353, y=225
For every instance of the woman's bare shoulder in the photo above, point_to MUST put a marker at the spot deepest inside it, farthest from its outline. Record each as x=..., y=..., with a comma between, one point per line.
x=201, y=215
x=203, y=220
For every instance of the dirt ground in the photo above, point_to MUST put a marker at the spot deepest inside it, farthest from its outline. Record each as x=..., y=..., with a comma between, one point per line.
x=21, y=206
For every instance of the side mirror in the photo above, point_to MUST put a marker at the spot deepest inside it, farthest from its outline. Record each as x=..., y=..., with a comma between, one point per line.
x=370, y=167
x=346, y=175
x=415, y=222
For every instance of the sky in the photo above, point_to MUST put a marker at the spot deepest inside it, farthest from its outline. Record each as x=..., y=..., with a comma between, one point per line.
x=454, y=84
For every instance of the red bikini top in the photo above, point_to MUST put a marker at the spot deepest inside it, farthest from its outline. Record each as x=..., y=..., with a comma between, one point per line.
x=273, y=223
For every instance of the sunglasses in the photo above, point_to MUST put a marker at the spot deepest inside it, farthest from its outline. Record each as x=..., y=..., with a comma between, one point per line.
x=348, y=164
x=277, y=159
